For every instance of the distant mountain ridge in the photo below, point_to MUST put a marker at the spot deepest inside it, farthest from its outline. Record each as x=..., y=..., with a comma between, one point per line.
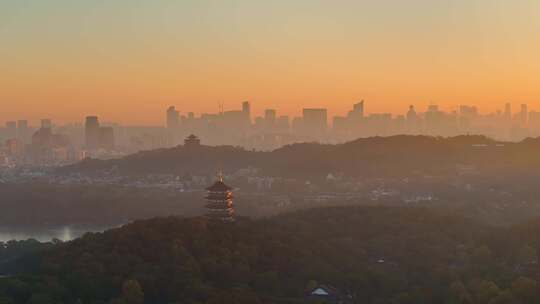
x=400, y=155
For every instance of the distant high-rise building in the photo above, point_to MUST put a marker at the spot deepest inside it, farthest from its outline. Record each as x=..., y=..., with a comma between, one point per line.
x=340, y=126
x=42, y=139
x=315, y=121
x=260, y=124
x=433, y=108
x=22, y=125
x=22, y=130
x=357, y=113
x=534, y=121
x=351, y=125
x=92, y=132
x=412, y=121
x=508, y=111
x=235, y=120
x=282, y=124
x=219, y=201
x=14, y=147
x=270, y=115
x=297, y=125
x=380, y=123
x=46, y=123
x=467, y=114
x=524, y=114
x=436, y=121
x=11, y=129
x=411, y=114
x=468, y=111
x=270, y=119
x=173, y=117
x=246, y=108
x=106, y=138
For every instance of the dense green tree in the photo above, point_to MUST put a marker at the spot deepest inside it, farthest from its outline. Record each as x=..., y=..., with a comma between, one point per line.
x=526, y=290
x=459, y=294
x=527, y=255
x=234, y=297
x=483, y=291
x=372, y=254
x=40, y=298
x=504, y=297
x=132, y=293
x=6, y=300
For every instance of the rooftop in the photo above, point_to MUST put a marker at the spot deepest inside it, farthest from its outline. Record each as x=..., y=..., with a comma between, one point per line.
x=219, y=186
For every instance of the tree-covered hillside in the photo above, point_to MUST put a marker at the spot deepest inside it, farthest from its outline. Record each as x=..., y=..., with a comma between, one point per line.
x=373, y=254
x=378, y=156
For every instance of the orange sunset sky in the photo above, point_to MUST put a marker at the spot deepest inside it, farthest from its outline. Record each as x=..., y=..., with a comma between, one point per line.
x=127, y=60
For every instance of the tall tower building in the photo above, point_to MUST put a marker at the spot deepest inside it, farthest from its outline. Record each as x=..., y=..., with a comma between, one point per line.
x=524, y=114
x=411, y=114
x=219, y=201
x=46, y=123
x=246, y=110
x=106, y=138
x=270, y=119
x=11, y=129
x=22, y=130
x=508, y=111
x=282, y=123
x=91, y=132
x=172, y=118
x=315, y=122
x=357, y=111
x=354, y=119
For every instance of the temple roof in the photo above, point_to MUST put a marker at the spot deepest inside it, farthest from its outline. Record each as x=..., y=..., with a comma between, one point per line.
x=219, y=186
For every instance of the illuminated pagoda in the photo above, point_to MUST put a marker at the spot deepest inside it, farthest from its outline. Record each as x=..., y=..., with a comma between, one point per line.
x=219, y=201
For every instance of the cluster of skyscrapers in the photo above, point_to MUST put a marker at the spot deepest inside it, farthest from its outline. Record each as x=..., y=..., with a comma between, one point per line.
x=50, y=144
x=238, y=127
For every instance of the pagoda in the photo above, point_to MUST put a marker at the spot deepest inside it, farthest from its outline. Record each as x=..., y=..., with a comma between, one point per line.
x=192, y=141
x=219, y=201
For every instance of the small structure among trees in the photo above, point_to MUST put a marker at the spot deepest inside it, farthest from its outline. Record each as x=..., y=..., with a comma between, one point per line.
x=327, y=294
x=192, y=141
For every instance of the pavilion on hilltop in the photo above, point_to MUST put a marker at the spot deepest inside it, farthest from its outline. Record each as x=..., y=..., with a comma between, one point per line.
x=191, y=141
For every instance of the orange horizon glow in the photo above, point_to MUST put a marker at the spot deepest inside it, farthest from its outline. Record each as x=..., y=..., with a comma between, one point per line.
x=127, y=62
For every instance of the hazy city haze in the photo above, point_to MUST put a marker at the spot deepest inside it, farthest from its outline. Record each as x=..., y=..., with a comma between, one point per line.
x=127, y=60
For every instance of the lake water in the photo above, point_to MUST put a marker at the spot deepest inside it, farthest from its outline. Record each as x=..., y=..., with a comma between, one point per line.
x=44, y=234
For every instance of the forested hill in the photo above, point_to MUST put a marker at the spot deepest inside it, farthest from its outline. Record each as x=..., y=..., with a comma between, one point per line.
x=374, y=255
x=377, y=156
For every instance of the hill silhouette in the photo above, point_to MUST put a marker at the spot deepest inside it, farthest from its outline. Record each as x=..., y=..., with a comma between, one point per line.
x=377, y=156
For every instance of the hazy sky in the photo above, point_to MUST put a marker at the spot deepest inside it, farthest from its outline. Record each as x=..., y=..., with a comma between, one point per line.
x=127, y=60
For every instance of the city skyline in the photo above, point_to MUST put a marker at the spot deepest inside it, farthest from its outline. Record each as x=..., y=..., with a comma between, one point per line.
x=258, y=111
x=128, y=60
x=52, y=144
